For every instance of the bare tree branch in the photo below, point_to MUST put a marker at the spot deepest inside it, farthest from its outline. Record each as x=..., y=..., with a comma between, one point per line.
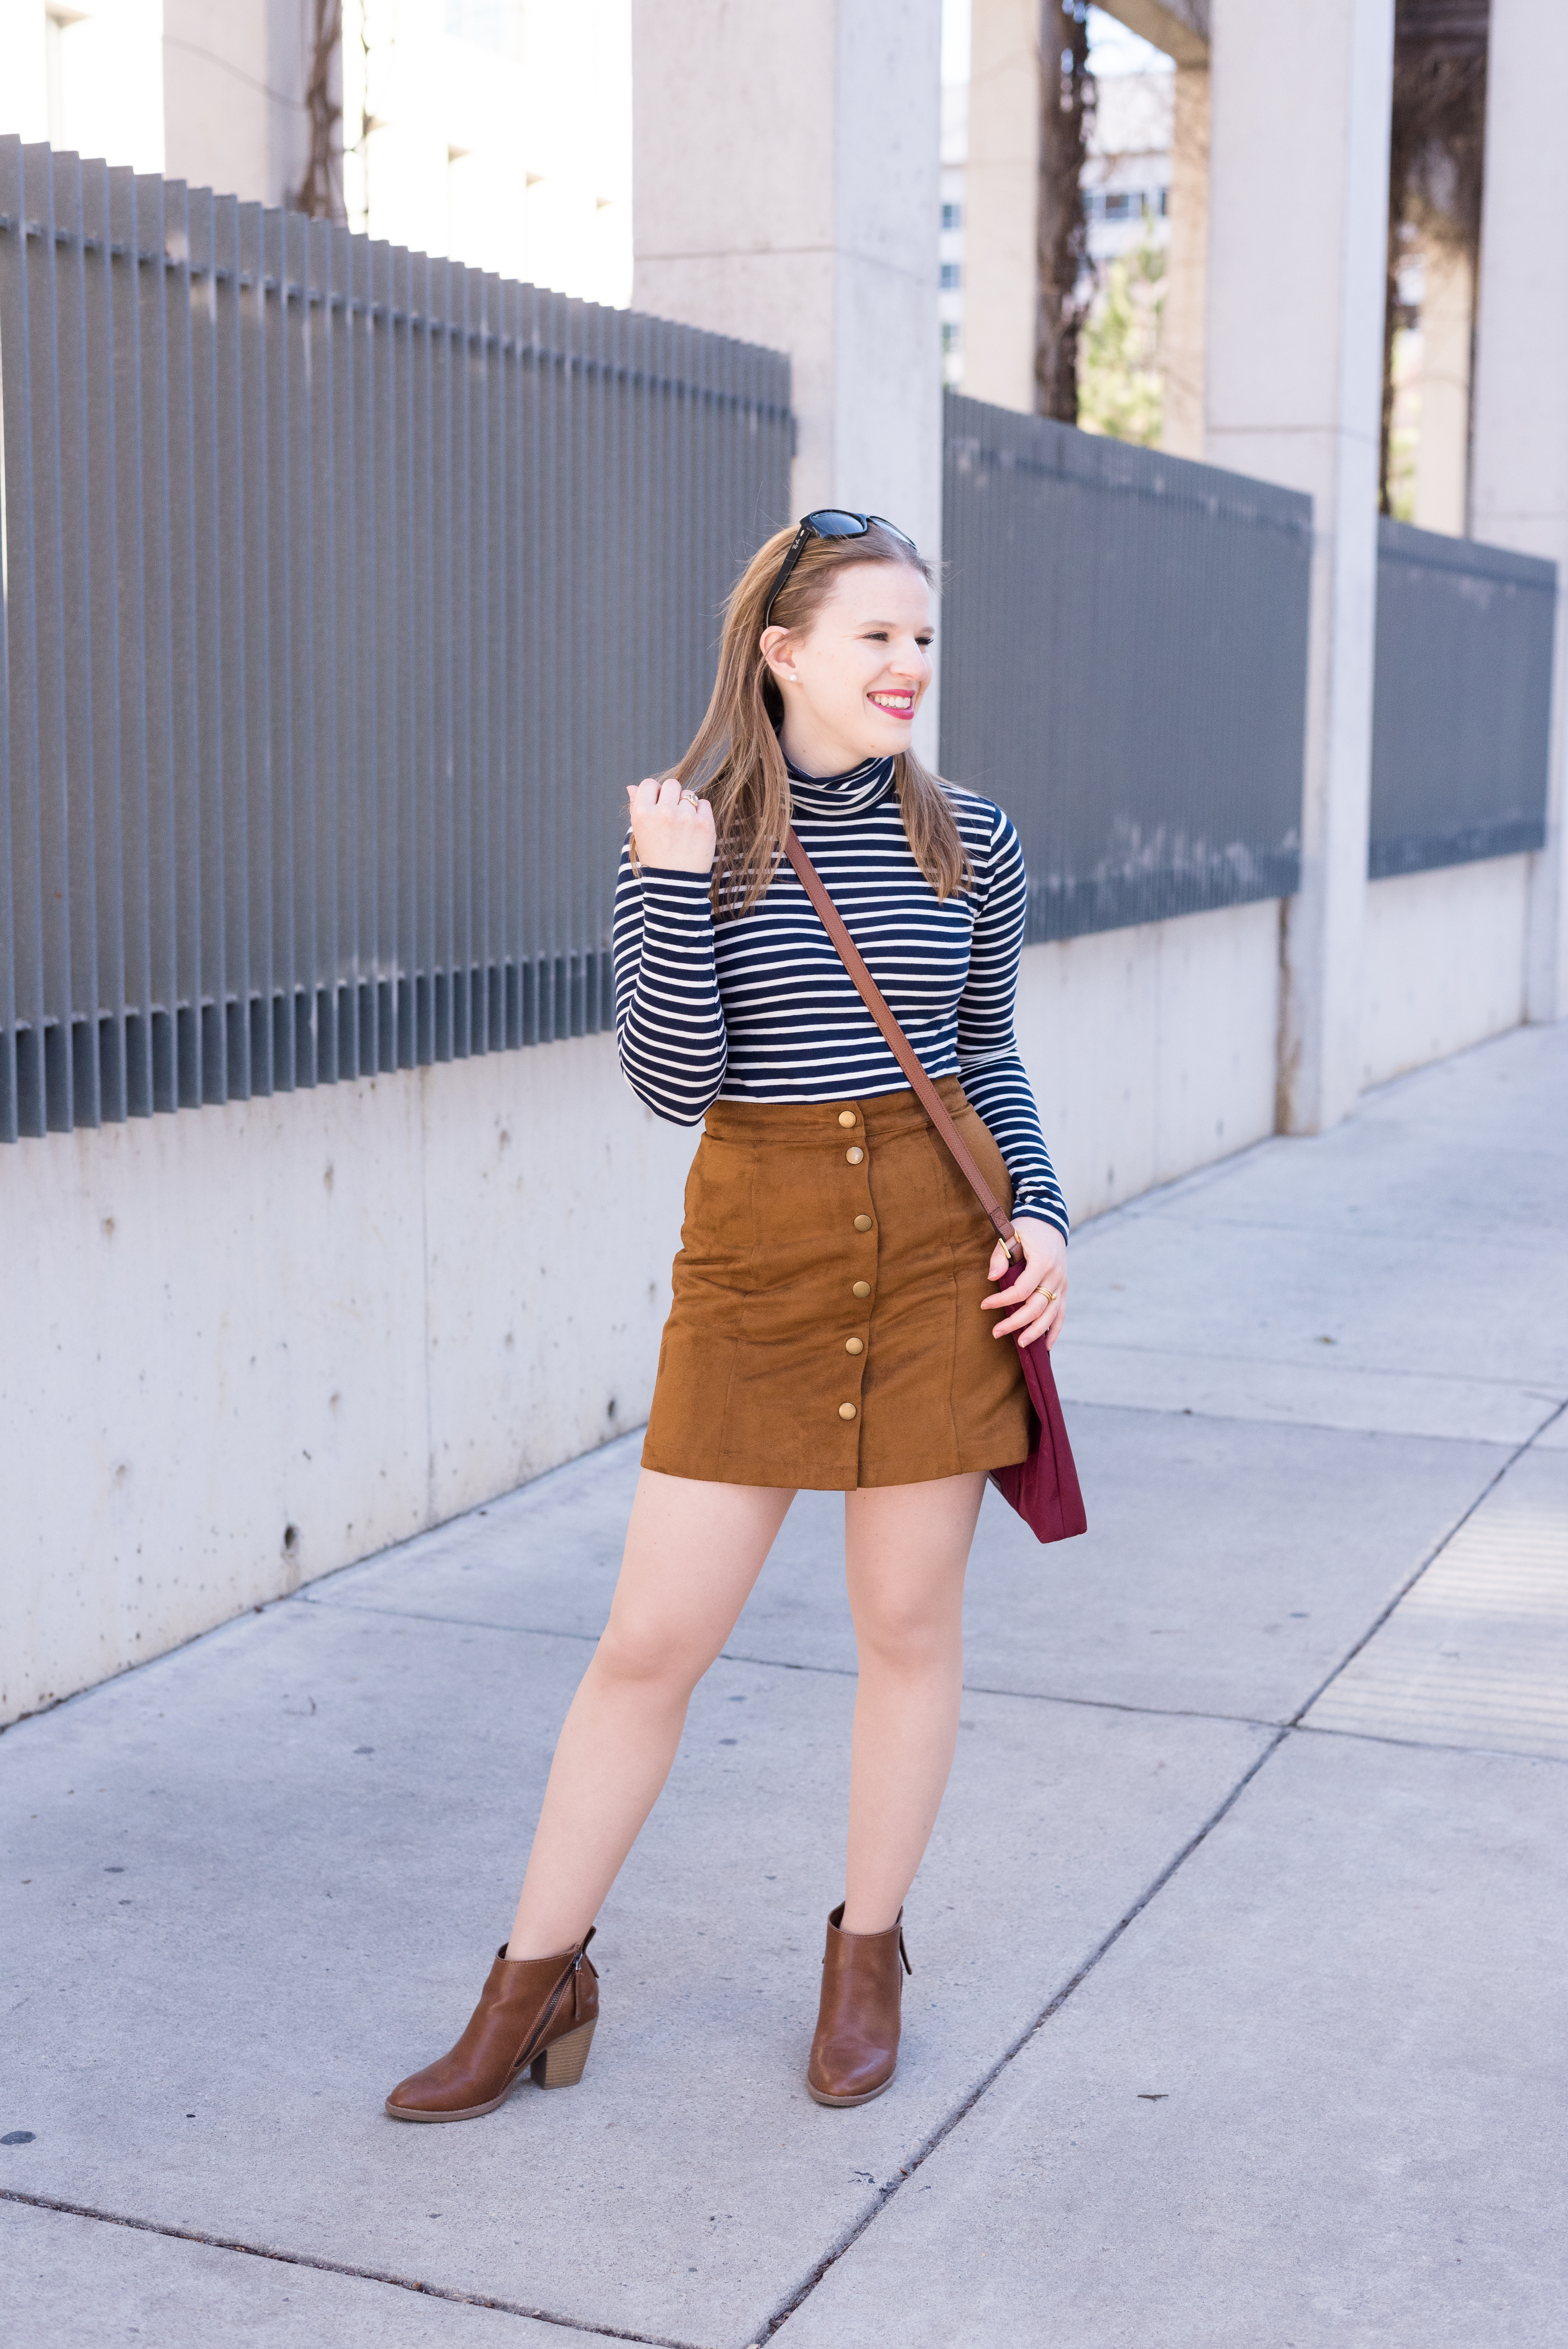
x=320, y=191
x=1066, y=111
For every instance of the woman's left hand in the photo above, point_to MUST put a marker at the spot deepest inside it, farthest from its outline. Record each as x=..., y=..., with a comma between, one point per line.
x=1036, y=1305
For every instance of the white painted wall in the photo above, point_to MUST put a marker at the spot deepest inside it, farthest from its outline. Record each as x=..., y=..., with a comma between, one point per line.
x=1445, y=962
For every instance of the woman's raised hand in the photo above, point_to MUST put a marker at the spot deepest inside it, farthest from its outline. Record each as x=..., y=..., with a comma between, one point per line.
x=672, y=828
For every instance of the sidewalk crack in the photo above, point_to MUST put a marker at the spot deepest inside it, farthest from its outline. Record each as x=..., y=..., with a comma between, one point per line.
x=960, y=2112
x=584, y=2329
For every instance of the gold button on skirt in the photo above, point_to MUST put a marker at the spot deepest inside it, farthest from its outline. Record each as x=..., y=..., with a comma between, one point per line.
x=825, y=1330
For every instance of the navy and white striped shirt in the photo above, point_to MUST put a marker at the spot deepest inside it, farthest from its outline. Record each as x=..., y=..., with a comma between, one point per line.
x=758, y=1007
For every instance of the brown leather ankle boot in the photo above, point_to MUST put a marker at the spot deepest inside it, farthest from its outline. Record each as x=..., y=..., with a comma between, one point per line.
x=855, y=2052
x=536, y=2011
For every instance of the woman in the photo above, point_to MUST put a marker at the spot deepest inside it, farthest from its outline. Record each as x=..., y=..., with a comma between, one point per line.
x=828, y=1326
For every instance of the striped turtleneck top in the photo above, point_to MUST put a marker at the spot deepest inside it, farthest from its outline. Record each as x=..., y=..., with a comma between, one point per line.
x=758, y=1006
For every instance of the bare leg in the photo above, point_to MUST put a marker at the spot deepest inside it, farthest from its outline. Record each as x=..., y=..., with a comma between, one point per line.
x=906, y=1546
x=693, y=1552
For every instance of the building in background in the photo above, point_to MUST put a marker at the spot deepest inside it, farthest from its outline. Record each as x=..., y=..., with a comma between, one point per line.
x=950, y=249
x=1141, y=373
x=496, y=131
x=499, y=131
x=1126, y=182
x=89, y=79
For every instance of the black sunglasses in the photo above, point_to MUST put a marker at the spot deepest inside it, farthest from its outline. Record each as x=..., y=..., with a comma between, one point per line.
x=828, y=522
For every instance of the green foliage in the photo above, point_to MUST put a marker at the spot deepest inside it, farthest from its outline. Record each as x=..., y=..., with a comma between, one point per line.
x=1120, y=390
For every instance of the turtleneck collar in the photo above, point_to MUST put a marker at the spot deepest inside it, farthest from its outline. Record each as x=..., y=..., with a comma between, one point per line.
x=842, y=795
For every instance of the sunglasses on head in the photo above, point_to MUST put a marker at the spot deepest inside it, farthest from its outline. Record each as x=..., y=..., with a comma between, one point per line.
x=828, y=522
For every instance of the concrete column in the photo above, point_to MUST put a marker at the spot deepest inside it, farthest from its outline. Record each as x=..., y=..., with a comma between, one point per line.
x=1001, y=201
x=1183, y=322
x=1182, y=28
x=1299, y=99
x=786, y=189
x=1519, y=450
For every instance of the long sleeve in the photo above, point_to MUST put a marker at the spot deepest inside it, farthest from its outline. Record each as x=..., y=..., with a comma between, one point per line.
x=988, y=1062
x=669, y=1022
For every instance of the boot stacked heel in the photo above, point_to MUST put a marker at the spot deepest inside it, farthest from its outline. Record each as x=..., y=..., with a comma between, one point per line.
x=534, y=2015
x=562, y=2063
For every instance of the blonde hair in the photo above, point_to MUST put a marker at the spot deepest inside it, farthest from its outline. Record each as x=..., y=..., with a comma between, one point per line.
x=735, y=760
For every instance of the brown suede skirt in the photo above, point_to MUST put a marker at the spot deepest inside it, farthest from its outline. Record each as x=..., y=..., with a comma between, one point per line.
x=826, y=1329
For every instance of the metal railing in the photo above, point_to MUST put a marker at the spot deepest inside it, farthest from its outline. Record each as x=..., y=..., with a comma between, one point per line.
x=1124, y=667
x=345, y=589
x=1462, y=703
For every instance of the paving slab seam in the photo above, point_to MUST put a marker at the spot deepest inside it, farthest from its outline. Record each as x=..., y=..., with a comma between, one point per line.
x=451, y=1622
x=793, y=1664
x=922, y=2153
x=1425, y=1744
x=1553, y=1403
x=343, y=2268
x=1298, y=1718
x=1125, y=1704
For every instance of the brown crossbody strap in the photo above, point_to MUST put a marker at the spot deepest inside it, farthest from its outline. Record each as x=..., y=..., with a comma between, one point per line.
x=903, y=1051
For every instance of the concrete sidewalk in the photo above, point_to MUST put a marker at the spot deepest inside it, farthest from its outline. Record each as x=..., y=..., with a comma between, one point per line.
x=1237, y=2019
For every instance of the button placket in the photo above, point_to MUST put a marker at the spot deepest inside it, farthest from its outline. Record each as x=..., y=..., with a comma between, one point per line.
x=854, y=1346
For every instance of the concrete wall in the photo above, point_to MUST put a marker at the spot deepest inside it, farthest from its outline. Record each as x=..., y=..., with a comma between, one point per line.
x=244, y=1346
x=1444, y=962
x=1152, y=1049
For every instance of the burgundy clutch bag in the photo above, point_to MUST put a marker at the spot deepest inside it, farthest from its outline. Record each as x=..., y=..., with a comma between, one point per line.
x=1043, y=1488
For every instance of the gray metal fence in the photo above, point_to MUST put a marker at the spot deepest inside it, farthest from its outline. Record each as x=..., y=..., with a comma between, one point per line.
x=1124, y=667
x=1462, y=706
x=345, y=589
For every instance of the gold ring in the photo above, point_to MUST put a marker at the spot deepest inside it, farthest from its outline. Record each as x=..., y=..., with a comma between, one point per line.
x=690, y=795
